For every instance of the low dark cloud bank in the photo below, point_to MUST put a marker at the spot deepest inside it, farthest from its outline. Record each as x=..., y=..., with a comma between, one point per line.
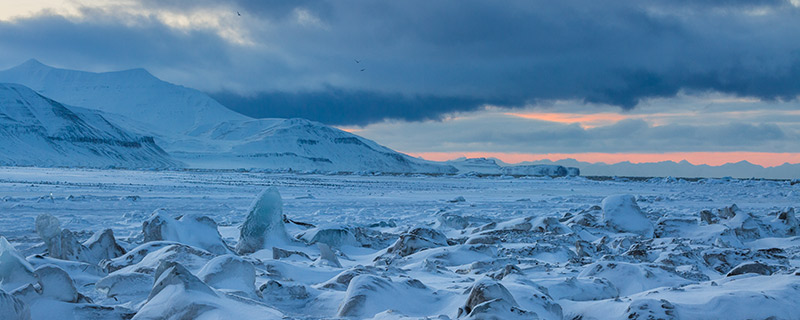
x=424, y=59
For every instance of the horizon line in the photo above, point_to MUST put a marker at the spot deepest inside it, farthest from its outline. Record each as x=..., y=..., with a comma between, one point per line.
x=714, y=159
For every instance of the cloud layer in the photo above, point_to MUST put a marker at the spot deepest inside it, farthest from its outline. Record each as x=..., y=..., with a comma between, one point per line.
x=426, y=59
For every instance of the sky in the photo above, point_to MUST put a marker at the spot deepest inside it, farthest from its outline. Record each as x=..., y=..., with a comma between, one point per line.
x=709, y=81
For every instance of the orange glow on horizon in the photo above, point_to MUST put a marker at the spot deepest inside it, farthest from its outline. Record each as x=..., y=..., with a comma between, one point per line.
x=588, y=121
x=585, y=120
x=765, y=159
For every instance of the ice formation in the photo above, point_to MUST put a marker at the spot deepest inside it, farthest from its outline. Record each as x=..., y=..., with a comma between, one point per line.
x=560, y=249
x=263, y=226
x=623, y=214
x=194, y=230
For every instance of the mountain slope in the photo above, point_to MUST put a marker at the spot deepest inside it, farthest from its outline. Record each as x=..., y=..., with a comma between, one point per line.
x=199, y=131
x=35, y=130
x=135, y=94
x=300, y=144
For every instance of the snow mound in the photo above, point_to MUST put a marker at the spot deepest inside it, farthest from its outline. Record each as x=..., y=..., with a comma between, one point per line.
x=368, y=295
x=179, y=294
x=56, y=284
x=193, y=230
x=264, y=223
x=230, y=273
x=630, y=278
x=621, y=213
x=583, y=289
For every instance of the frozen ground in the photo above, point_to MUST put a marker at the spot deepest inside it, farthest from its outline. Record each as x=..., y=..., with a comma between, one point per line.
x=390, y=247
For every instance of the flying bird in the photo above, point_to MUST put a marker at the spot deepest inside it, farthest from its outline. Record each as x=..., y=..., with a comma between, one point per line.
x=357, y=61
x=239, y=14
x=363, y=69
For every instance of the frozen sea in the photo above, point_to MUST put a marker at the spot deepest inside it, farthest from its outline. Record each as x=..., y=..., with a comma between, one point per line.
x=426, y=246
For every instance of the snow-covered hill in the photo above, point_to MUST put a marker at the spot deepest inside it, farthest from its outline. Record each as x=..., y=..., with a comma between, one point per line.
x=199, y=131
x=35, y=130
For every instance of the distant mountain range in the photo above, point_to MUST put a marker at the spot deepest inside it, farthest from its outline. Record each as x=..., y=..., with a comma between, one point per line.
x=742, y=169
x=198, y=131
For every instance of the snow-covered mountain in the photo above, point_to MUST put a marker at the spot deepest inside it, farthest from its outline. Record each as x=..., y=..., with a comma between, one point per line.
x=196, y=129
x=135, y=94
x=35, y=130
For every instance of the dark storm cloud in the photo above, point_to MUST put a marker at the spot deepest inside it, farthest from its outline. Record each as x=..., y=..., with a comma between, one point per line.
x=54, y=39
x=347, y=107
x=424, y=59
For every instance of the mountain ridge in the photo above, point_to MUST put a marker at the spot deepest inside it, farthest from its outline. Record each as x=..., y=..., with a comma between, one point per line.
x=199, y=131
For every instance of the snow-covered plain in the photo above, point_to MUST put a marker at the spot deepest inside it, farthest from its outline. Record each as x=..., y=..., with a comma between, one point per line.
x=393, y=247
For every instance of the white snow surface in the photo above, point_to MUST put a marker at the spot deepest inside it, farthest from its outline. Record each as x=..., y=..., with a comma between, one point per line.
x=512, y=248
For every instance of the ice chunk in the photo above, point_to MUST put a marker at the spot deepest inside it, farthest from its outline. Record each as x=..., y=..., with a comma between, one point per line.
x=786, y=222
x=334, y=236
x=49, y=229
x=102, y=245
x=621, y=213
x=12, y=308
x=231, y=273
x=416, y=240
x=15, y=271
x=264, y=223
x=56, y=284
x=327, y=257
x=193, y=230
x=73, y=250
x=61, y=243
x=488, y=299
x=276, y=291
x=750, y=267
x=278, y=253
x=453, y=221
